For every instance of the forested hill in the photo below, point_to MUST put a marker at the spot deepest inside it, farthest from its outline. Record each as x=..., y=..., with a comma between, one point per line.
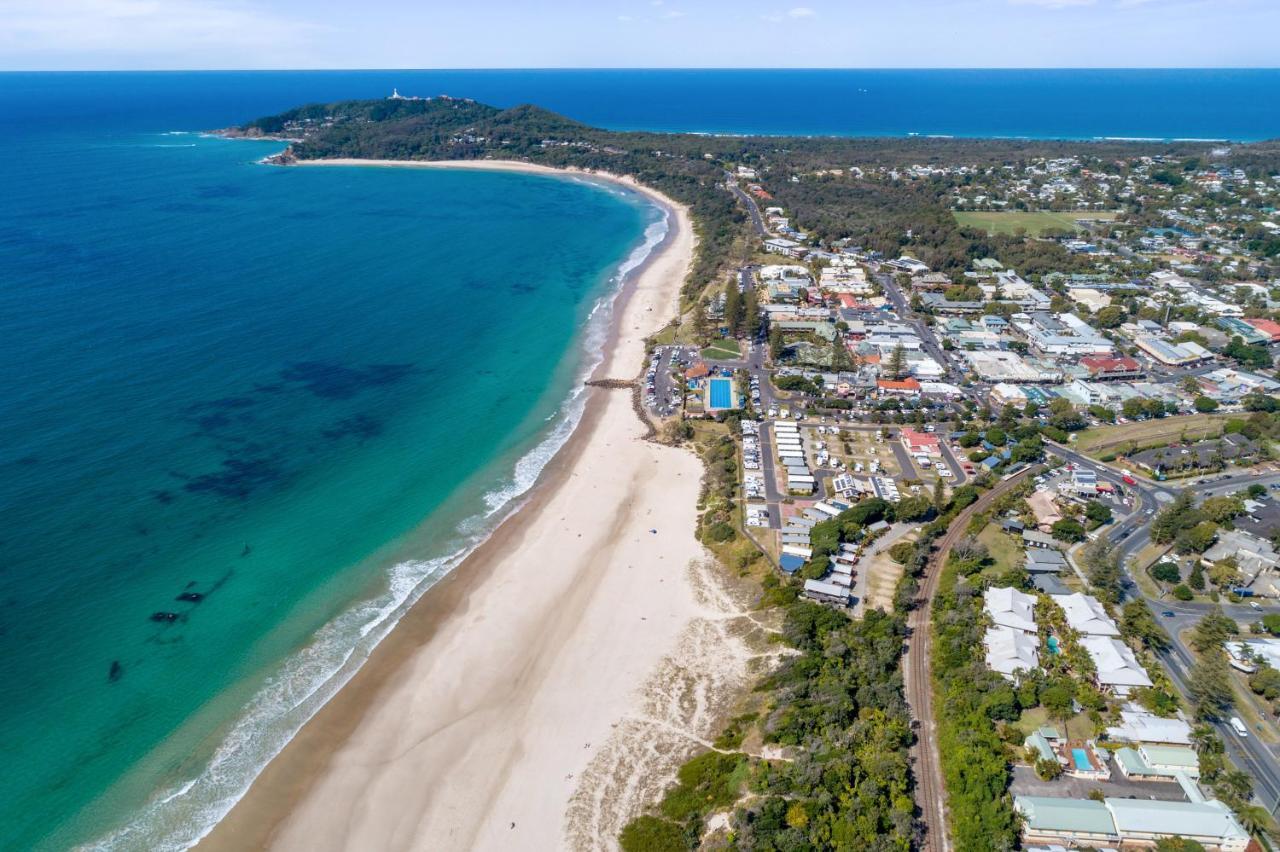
x=690, y=168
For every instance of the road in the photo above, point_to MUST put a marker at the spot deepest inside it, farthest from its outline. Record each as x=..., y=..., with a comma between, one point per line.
x=1248, y=753
x=753, y=210
x=930, y=787
x=930, y=340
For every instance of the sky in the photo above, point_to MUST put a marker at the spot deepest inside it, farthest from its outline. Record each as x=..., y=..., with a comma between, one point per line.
x=271, y=34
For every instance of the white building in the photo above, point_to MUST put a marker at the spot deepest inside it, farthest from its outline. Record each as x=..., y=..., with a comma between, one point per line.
x=1009, y=607
x=1086, y=616
x=1011, y=651
x=1116, y=665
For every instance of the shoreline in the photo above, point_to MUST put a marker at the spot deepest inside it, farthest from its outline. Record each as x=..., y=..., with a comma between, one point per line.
x=300, y=785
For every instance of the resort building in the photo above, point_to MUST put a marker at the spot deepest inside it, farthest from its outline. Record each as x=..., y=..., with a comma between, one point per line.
x=1011, y=651
x=1128, y=822
x=1008, y=607
x=1117, y=668
x=921, y=443
x=1140, y=726
x=1086, y=615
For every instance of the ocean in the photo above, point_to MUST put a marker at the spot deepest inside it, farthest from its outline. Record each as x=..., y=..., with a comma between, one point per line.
x=251, y=413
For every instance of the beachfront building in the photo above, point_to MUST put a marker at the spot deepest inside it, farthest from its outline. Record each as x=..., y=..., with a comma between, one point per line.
x=1128, y=822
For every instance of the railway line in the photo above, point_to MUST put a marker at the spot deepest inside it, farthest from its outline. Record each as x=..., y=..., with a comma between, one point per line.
x=930, y=787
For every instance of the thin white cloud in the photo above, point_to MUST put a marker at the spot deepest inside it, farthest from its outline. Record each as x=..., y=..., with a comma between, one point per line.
x=124, y=27
x=672, y=14
x=796, y=13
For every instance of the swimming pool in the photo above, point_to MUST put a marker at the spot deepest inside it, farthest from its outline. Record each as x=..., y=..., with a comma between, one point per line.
x=1053, y=644
x=721, y=393
x=1081, y=758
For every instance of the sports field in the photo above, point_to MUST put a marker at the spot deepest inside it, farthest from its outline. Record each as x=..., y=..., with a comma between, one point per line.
x=1147, y=433
x=1009, y=221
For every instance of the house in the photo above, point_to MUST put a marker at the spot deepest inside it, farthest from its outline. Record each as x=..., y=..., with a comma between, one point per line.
x=1045, y=509
x=1008, y=607
x=1253, y=555
x=1140, y=726
x=921, y=443
x=1035, y=538
x=1086, y=615
x=1044, y=561
x=1010, y=651
x=1117, y=667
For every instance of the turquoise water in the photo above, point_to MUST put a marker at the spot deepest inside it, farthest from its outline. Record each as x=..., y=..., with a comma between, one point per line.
x=287, y=395
x=1081, y=758
x=1053, y=644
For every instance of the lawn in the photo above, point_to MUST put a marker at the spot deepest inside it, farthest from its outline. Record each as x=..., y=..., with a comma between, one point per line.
x=1009, y=221
x=1149, y=433
x=1006, y=553
x=720, y=350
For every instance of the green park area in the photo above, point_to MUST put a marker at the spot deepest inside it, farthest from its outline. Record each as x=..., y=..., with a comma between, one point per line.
x=1035, y=224
x=722, y=350
x=1130, y=437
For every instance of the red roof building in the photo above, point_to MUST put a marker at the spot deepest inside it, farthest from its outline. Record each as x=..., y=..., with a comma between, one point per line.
x=905, y=386
x=921, y=443
x=1267, y=327
x=1106, y=367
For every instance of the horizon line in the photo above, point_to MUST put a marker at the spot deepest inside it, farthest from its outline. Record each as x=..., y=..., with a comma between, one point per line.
x=584, y=68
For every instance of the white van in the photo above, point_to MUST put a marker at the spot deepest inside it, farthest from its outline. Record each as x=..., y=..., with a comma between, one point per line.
x=1239, y=727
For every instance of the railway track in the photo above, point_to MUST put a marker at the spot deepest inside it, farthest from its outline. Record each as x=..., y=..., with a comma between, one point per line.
x=930, y=788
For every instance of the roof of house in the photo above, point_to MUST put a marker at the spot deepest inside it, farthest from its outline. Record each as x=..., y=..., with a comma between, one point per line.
x=1010, y=650
x=1086, y=615
x=1037, y=741
x=1141, y=726
x=1011, y=608
x=1052, y=814
x=1115, y=662
x=1185, y=819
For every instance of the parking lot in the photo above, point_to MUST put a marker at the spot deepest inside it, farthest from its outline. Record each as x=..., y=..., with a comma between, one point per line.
x=662, y=391
x=1027, y=783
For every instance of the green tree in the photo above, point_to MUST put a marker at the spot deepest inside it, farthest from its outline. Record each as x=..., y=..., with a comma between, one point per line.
x=751, y=312
x=776, y=344
x=1137, y=623
x=733, y=313
x=897, y=366
x=1067, y=529
x=1097, y=512
x=1205, y=404
x=1209, y=683
x=1212, y=630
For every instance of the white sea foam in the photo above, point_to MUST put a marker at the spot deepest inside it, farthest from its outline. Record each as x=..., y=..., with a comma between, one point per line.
x=178, y=817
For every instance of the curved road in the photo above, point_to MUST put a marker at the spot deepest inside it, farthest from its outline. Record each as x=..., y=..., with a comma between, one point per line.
x=930, y=787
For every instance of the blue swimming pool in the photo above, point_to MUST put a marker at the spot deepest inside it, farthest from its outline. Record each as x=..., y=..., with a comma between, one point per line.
x=1081, y=758
x=721, y=393
x=1053, y=644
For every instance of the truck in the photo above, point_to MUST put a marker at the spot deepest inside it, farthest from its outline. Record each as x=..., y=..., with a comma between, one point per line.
x=1128, y=478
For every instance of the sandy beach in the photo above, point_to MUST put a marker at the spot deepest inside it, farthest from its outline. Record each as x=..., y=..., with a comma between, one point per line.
x=545, y=691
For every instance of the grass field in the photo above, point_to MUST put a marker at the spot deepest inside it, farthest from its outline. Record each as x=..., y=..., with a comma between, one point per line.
x=722, y=349
x=1004, y=551
x=1009, y=221
x=1109, y=439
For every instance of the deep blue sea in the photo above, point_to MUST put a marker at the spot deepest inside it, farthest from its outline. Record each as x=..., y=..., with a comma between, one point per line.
x=277, y=403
